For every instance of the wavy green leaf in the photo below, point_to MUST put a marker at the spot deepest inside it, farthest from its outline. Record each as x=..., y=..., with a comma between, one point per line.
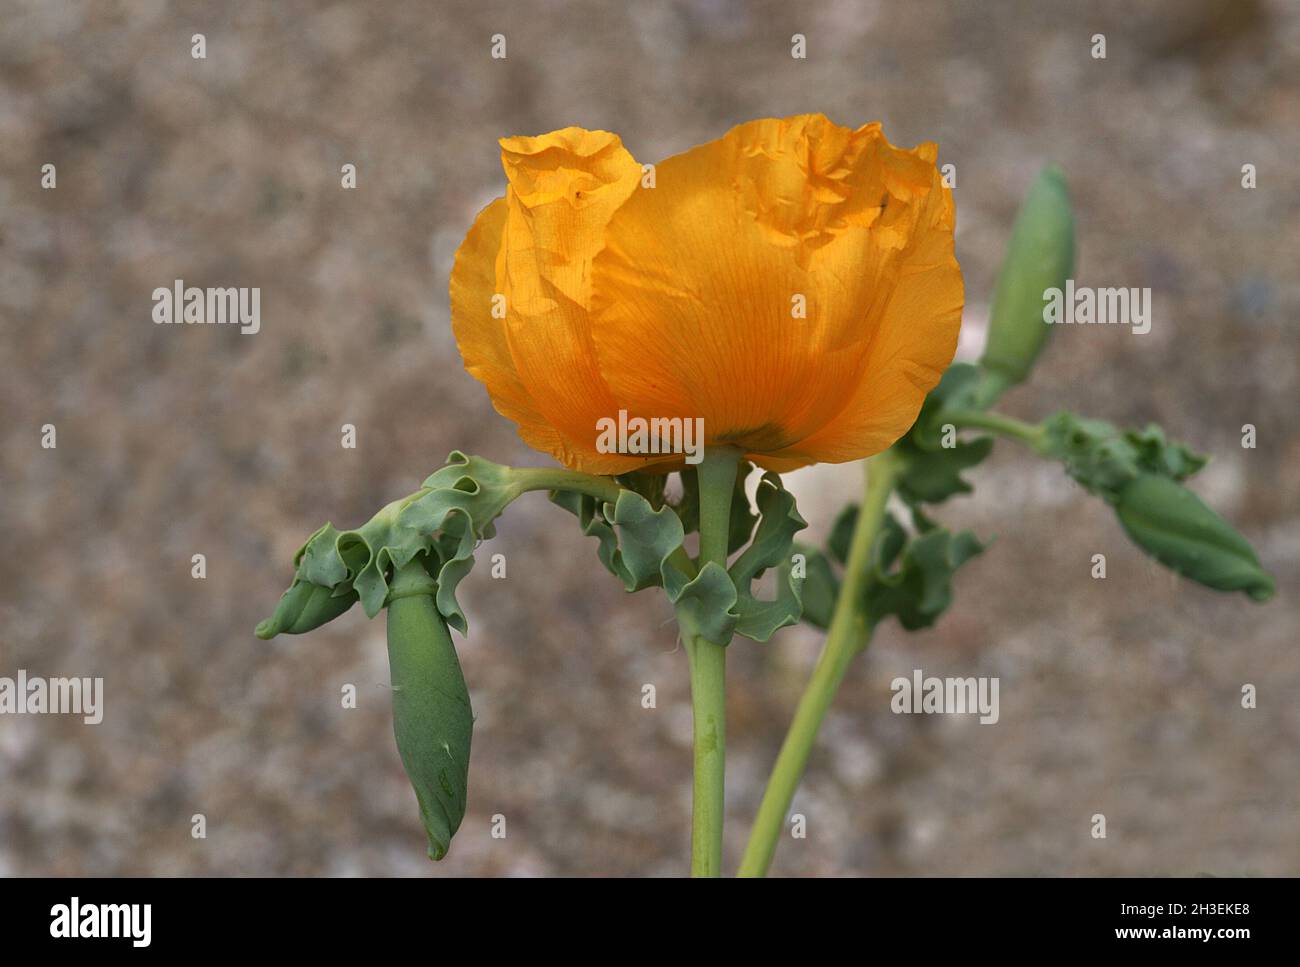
x=820, y=588
x=644, y=547
x=705, y=603
x=779, y=521
x=444, y=521
x=934, y=476
x=931, y=472
x=912, y=577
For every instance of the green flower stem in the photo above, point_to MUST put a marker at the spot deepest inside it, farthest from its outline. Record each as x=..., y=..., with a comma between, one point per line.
x=553, y=478
x=708, y=664
x=717, y=475
x=1030, y=434
x=848, y=635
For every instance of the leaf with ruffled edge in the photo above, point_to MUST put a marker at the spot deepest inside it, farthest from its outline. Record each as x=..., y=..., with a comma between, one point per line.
x=919, y=589
x=591, y=518
x=820, y=588
x=778, y=522
x=933, y=476
x=651, y=486
x=479, y=487
x=706, y=603
x=910, y=575
x=644, y=547
x=446, y=519
x=931, y=471
x=336, y=568
x=464, y=498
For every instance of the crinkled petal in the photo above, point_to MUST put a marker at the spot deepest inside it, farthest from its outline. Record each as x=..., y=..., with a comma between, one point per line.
x=564, y=187
x=696, y=294
x=533, y=248
x=482, y=338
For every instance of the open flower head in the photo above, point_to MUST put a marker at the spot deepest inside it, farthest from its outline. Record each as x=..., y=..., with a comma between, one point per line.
x=792, y=283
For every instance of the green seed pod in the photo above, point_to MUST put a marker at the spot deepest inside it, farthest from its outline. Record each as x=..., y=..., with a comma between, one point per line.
x=432, y=719
x=303, y=607
x=1040, y=256
x=1175, y=527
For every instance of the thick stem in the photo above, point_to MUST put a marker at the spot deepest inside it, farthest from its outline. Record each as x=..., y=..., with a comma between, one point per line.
x=708, y=664
x=848, y=635
x=717, y=476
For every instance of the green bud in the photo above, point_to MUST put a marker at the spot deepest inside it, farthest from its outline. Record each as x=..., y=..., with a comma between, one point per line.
x=1175, y=527
x=432, y=719
x=1040, y=256
x=303, y=607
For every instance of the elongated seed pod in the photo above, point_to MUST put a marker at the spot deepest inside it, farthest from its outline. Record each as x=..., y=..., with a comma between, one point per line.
x=432, y=719
x=1175, y=527
x=1040, y=256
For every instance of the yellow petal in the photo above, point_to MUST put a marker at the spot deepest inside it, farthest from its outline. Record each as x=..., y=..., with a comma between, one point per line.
x=564, y=186
x=539, y=363
x=914, y=342
x=695, y=295
x=482, y=338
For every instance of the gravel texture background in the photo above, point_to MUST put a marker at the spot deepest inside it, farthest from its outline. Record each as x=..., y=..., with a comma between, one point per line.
x=1119, y=697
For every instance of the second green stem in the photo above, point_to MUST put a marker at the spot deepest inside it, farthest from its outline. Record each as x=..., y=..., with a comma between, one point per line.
x=848, y=635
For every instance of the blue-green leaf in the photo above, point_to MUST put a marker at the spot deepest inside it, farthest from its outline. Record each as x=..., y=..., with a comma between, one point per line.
x=931, y=472
x=644, y=547
x=820, y=588
x=779, y=521
x=919, y=588
x=444, y=521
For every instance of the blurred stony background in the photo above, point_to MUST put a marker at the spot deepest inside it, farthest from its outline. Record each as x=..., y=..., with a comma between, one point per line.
x=1118, y=697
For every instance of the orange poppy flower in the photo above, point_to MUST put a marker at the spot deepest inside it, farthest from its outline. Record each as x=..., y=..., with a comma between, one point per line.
x=792, y=283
